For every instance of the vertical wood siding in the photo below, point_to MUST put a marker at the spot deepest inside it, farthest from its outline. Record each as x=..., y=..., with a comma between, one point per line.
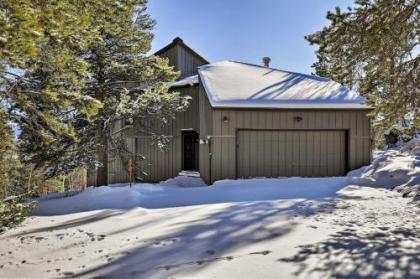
x=91, y=177
x=206, y=128
x=187, y=63
x=224, y=140
x=172, y=55
x=183, y=60
x=159, y=165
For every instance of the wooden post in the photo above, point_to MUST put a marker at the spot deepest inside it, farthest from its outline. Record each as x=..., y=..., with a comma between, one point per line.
x=130, y=171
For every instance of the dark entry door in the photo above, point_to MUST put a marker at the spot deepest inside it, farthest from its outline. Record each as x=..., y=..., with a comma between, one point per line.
x=189, y=150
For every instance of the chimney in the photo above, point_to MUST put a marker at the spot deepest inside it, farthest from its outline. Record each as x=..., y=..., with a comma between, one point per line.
x=266, y=61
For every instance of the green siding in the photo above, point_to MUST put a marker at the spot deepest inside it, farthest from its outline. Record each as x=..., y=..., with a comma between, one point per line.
x=224, y=140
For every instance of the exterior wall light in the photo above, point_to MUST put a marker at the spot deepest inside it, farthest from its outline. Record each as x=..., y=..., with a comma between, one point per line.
x=225, y=119
x=205, y=140
x=298, y=118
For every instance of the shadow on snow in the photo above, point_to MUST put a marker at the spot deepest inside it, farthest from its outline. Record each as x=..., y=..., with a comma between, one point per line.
x=352, y=253
x=210, y=239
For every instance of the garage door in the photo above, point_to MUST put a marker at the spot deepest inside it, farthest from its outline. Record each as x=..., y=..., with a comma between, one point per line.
x=277, y=153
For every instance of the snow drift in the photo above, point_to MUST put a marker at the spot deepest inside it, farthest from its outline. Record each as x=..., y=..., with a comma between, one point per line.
x=396, y=168
x=179, y=192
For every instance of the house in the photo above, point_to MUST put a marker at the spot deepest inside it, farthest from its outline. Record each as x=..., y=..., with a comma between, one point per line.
x=248, y=120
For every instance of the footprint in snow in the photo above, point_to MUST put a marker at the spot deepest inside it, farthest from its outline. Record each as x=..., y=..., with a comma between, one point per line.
x=39, y=238
x=264, y=253
x=68, y=273
x=165, y=242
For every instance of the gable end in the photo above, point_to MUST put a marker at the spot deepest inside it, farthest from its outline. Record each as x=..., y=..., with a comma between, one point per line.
x=182, y=57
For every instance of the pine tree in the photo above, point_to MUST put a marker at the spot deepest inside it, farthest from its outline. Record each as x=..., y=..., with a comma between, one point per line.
x=73, y=68
x=41, y=69
x=131, y=84
x=68, y=71
x=373, y=48
x=9, y=163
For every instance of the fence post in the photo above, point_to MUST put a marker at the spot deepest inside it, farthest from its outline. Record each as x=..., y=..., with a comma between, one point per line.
x=130, y=171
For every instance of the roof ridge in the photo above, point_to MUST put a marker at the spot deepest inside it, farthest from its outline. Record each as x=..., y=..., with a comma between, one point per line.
x=213, y=63
x=280, y=70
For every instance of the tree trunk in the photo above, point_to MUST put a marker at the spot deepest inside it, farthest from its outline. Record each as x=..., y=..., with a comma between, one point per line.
x=30, y=178
x=102, y=153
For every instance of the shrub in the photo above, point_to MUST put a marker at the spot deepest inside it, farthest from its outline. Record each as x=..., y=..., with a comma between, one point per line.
x=13, y=210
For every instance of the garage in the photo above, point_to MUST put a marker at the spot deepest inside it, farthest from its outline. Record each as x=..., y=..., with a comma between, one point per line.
x=274, y=153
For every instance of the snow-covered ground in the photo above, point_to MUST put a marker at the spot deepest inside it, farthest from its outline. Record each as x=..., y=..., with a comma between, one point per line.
x=340, y=227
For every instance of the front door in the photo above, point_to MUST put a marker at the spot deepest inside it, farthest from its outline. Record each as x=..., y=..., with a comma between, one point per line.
x=189, y=150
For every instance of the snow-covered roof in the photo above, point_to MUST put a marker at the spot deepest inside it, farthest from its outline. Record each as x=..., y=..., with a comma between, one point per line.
x=237, y=84
x=191, y=80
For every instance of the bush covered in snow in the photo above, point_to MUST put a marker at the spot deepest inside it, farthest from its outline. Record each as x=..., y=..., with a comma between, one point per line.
x=396, y=168
x=397, y=134
x=13, y=210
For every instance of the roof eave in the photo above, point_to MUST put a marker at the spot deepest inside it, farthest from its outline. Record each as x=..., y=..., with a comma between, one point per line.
x=292, y=106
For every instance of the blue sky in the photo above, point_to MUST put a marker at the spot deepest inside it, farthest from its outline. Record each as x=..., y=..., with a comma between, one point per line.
x=244, y=30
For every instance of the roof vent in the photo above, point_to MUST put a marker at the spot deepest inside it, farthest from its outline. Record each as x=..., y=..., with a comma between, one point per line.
x=266, y=61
